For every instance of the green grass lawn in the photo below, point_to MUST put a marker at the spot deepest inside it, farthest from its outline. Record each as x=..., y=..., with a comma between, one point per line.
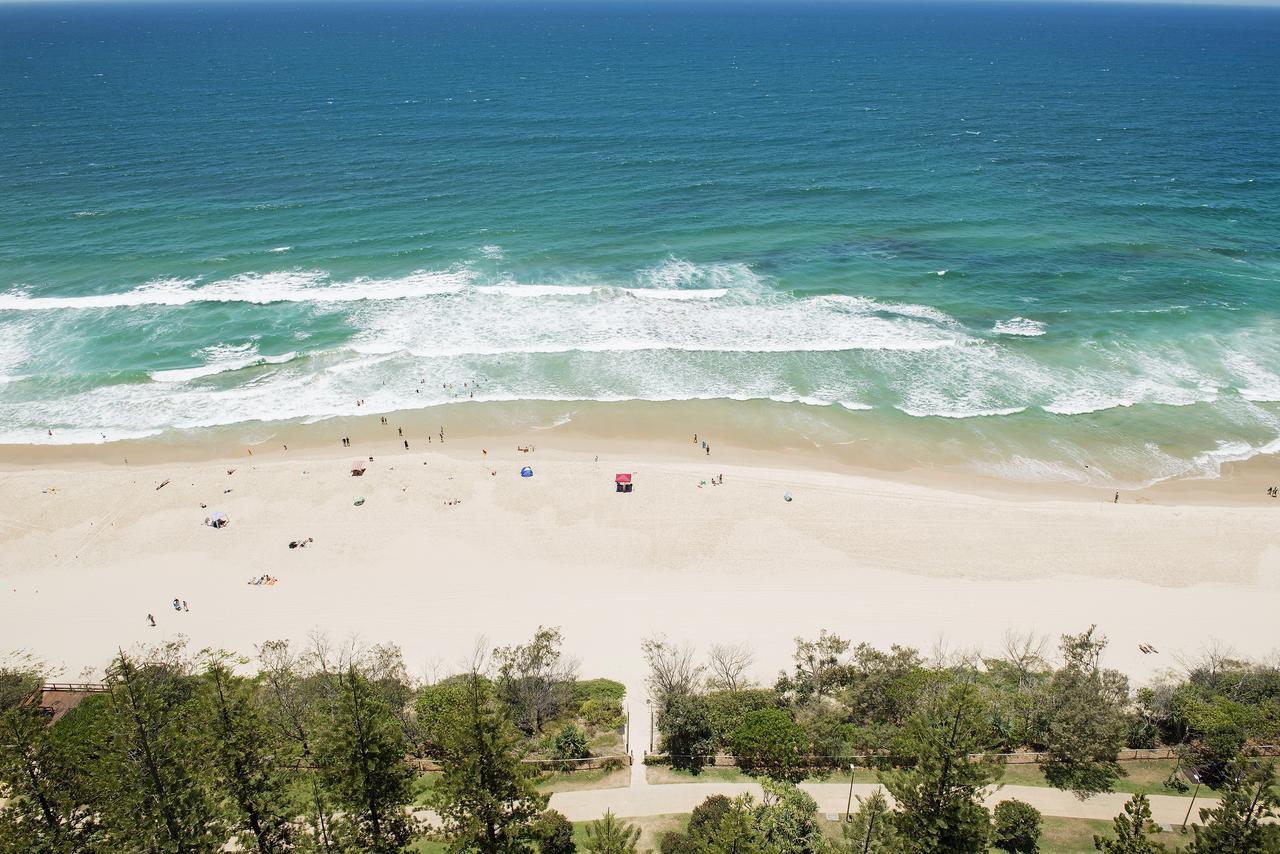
x=575, y=781
x=1075, y=835
x=559, y=781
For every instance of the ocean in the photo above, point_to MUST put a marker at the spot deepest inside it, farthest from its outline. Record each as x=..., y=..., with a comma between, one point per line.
x=1030, y=238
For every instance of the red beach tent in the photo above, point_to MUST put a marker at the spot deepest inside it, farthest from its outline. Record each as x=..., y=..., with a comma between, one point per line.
x=623, y=482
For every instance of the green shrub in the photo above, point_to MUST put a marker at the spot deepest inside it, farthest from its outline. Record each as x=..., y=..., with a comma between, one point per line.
x=705, y=820
x=602, y=713
x=1017, y=827
x=554, y=833
x=768, y=741
x=570, y=743
x=596, y=689
x=674, y=842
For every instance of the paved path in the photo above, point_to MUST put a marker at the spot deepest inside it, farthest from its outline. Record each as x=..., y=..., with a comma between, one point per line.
x=639, y=734
x=639, y=800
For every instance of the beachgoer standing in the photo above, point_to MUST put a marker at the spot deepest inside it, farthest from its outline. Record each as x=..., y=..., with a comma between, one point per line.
x=406, y=444
x=152, y=619
x=1117, y=499
x=184, y=605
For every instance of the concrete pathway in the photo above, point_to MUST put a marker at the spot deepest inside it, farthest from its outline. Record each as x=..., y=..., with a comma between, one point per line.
x=640, y=723
x=643, y=799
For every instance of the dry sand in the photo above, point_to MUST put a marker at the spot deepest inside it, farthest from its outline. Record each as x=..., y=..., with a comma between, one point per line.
x=89, y=546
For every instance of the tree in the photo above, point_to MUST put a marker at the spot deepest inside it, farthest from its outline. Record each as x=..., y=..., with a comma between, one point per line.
x=726, y=709
x=939, y=806
x=787, y=819
x=361, y=753
x=554, y=833
x=534, y=678
x=736, y=832
x=769, y=742
x=611, y=835
x=485, y=798
x=1133, y=830
x=729, y=664
x=817, y=664
x=245, y=759
x=673, y=671
x=154, y=775
x=1242, y=820
x=1017, y=827
x=1085, y=710
x=869, y=830
x=44, y=797
x=687, y=736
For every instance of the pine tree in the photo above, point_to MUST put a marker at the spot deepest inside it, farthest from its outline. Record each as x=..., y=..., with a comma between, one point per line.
x=44, y=808
x=361, y=752
x=245, y=759
x=1085, y=710
x=1242, y=821
x=611, y=835
x=154, y=776
x=1133, y=830
x=870, y=829
x=485, y=798
x=939, y=807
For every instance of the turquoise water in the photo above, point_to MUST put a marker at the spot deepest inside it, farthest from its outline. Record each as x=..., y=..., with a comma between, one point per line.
x=1046, y=234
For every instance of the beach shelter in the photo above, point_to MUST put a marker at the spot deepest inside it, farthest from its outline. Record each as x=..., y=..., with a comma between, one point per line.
x=622, y=482
x=217, y=520
x=526, y=472
x=357, y=468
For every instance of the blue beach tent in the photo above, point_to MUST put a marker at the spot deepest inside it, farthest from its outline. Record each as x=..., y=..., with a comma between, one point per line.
x=526, y=472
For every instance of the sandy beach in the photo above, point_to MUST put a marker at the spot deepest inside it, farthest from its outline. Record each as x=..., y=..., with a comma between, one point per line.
x=90, y=546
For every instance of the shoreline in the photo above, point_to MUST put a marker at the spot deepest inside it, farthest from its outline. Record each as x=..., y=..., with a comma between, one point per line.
x=644, y=429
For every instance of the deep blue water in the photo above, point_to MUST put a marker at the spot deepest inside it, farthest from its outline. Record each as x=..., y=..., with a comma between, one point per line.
x=1055, y=227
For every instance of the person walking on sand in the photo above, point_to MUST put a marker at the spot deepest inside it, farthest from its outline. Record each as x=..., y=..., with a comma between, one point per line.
x=708, y=447
x=184, y=605
x=406, y=444
x=151, y=619
x=400, y=430
x=1117, y=499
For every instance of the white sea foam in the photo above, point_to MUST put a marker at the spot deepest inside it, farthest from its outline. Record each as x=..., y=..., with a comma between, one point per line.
x=473, y=321
x=679, y=274
x=221, y=359
x=944, y=411
x=535, y=290
x=280, y=249
x=261, y=289
x=1019, y=326
x=661, y=293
